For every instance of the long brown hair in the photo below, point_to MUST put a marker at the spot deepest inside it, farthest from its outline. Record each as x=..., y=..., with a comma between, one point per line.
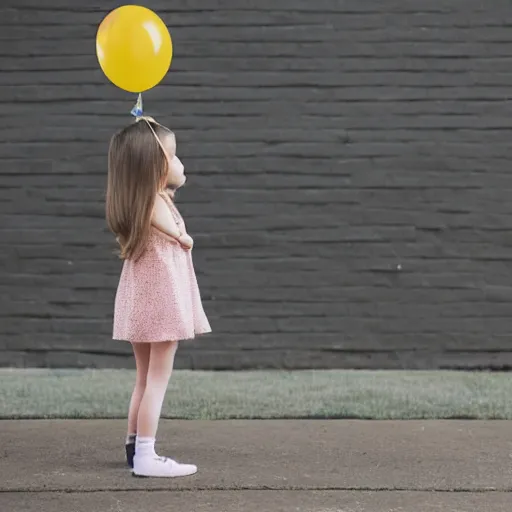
x=137, y=171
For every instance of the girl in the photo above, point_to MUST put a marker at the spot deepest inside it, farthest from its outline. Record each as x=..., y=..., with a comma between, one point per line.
x=157, y=301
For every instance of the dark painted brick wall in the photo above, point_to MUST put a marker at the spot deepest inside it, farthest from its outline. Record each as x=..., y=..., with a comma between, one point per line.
x=350, y=182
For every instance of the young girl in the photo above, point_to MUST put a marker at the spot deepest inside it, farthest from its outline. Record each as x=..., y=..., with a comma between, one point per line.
x=157, y=301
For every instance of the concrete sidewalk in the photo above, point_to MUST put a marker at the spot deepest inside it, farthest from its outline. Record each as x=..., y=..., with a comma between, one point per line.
x=304, y=466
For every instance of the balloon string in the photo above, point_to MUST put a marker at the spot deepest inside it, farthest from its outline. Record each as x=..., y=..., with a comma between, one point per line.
x=150, y=120
x=138, y=112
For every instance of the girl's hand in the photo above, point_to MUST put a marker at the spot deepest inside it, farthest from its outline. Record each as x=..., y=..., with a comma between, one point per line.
x=186, y=241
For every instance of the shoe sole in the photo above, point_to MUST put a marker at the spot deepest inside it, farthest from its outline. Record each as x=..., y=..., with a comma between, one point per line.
x=165, y=476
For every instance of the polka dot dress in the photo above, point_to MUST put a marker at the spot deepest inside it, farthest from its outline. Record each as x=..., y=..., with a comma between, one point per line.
x=158, y=297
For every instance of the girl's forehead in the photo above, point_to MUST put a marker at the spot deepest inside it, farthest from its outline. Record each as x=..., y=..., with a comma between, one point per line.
x=169, y=142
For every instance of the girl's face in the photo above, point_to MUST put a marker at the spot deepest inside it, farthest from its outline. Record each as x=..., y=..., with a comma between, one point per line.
x=176, y=176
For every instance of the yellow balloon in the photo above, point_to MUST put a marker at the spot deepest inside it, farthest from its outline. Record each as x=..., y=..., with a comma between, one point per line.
x=134, y=48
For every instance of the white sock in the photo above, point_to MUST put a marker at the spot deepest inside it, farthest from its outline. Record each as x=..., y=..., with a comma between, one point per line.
x=145, y=447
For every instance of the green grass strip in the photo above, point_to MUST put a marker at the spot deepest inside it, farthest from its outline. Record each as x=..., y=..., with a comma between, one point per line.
x=262, y=394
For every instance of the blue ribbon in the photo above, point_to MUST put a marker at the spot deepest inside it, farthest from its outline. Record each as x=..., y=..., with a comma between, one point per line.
x=137, y=110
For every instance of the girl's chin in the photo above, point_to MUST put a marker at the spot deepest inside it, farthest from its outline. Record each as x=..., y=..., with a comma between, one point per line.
x=176, y=186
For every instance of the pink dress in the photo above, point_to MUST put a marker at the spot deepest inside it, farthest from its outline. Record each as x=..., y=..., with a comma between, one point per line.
x=158, y=297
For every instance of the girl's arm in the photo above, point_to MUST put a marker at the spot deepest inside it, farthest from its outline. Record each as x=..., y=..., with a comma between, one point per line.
x=163, y=220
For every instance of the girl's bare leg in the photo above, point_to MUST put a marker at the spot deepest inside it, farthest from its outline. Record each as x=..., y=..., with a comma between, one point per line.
x=161, y=362
x=146, y=462
x=141, y=352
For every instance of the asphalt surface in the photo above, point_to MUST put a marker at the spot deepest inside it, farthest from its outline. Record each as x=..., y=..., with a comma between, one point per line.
x=273, y=465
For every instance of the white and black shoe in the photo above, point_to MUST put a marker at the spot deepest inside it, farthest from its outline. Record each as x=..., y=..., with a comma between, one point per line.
x=130, y=452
